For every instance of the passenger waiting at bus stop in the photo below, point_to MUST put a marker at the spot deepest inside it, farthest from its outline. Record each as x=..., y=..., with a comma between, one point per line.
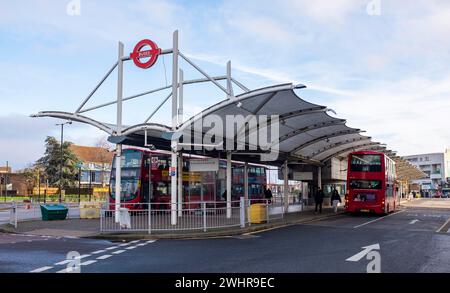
x=268, y=194
x=335, y=199
x=318, y=198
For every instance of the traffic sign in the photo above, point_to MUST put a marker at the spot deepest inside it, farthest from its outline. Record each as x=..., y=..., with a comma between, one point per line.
x=139, y=54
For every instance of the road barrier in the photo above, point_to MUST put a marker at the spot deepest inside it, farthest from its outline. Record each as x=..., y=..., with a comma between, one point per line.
x=201, y=215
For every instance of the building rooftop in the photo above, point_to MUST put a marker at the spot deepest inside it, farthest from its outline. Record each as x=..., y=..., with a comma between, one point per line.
x=5, y=170
x=92, y=154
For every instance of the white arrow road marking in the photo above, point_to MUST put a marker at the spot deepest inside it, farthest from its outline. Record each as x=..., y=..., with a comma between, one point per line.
x=364, y=252
x=414, y=221
x=105, y=256
x=38, y=270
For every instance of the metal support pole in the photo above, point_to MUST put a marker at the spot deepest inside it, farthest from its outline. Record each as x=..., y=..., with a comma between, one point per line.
x=180, y=98
x=39, y=186
x=119, y=131
x=180, y=185
x=79, y=185
x=204, y=216
x=61, y=163
x=229, y=83
x=319, y=177
x=246, y=181
x=286, y=186
x=228, y=185
x=173, y=182
x=242, y=211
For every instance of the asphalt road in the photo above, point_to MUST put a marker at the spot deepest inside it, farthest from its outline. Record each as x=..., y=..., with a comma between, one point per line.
x=412, y=240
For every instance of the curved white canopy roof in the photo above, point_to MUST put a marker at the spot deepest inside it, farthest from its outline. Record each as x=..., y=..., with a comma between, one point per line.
x=306, y=133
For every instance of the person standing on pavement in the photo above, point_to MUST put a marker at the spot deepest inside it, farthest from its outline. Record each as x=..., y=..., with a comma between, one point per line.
x=318, y=198
x=268, y=194
x=335, y=199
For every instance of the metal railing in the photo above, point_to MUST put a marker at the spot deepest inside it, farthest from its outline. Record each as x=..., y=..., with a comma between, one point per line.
x=203, y=216
x=157, y=217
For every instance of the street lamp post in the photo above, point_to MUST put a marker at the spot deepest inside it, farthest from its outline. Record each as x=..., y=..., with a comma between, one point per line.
x=62, y=158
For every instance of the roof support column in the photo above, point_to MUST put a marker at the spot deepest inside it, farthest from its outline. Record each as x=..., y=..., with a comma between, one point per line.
x=229, y=184
x=319, y=177
x=180, y=185
x=173, y=179
x=246, y=181
x=286, y=186
x=119, y=132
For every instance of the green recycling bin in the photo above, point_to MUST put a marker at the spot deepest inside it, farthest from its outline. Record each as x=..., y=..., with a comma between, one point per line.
x=54, y=212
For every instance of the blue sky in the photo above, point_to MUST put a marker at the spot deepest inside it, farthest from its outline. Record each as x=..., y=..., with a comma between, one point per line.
x=388, y=74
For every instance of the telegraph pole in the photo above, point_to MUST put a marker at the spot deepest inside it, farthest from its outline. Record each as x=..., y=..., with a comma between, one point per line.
x=62, y=159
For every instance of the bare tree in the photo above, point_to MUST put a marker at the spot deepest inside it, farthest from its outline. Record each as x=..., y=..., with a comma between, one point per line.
x=103, y=157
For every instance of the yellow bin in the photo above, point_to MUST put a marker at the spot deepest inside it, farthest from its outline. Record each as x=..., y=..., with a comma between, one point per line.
x=89, y=211
x=258, y=213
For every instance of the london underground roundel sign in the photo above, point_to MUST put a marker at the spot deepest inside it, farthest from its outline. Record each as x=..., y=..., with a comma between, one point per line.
x=138, y=54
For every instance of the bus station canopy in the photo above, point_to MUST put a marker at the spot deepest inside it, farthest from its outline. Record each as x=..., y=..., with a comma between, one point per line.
x=307, y=133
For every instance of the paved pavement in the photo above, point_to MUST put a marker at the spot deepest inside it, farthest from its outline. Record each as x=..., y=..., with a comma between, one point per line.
x=412, y=240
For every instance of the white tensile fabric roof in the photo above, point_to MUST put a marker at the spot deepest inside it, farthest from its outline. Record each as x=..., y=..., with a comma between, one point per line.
x=307, y=133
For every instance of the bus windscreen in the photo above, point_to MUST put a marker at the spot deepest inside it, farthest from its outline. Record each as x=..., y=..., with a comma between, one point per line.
x=365, y=163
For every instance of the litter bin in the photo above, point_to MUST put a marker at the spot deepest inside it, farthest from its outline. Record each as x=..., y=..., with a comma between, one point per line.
x=89, y=210
x=258, y=213
x=54, y=212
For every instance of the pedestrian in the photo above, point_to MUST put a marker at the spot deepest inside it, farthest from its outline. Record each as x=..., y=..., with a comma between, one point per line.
x=268, y=194
x=224, y=195
x=318, y=199
x=335, y=199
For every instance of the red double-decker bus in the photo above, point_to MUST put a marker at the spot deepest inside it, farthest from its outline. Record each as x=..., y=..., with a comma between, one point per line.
x=136, y=189
x=370, y=183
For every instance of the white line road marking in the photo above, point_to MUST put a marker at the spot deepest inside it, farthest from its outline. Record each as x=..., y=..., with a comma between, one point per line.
x=413, y=221
x=105, y=256
x=134, y=241
x=38, y=270
x=88, y=262
x=150, y=241
x=112, y=247
x=131, y=247
x=124, y=244
x=118, y=251
x=63, y=262
x=141, y=244
x=366, y=223
x=70, y=260
x=98, y=251
x=442, y=227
